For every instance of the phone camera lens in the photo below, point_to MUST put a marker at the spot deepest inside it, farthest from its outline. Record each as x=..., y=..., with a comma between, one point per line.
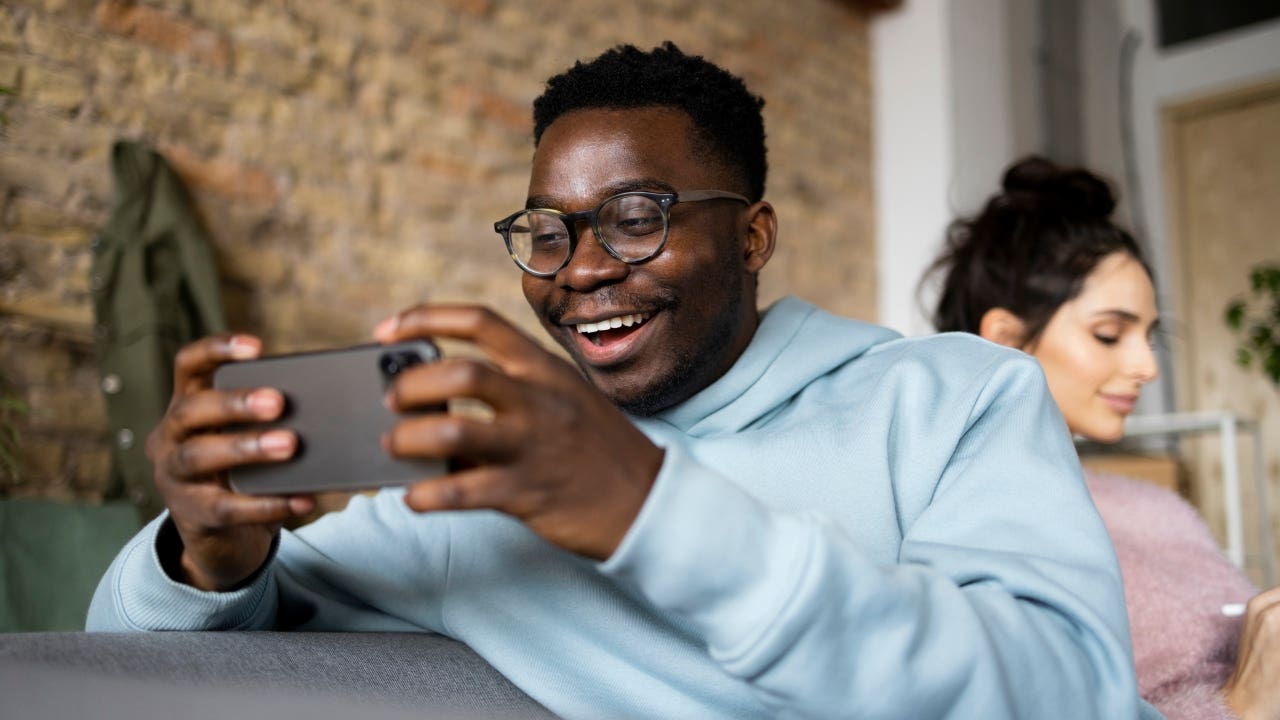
x=389, y=364
x=393, y=363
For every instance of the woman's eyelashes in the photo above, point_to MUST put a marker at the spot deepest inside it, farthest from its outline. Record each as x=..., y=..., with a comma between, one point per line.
x=1108, y=336
x=1152, y=339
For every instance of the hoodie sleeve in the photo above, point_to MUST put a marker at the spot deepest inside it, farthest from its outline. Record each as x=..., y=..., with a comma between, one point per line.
x=339, y=573
x=1005, y=601
x=137, y=594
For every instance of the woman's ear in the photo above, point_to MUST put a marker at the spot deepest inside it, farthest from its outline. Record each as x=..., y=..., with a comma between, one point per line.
x=1003, y=328
x=762, y=233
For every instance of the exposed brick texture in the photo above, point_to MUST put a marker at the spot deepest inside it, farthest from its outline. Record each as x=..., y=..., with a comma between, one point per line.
x=349, y=157
x=164, y=31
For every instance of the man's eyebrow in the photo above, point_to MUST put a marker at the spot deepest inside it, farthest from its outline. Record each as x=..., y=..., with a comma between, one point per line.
x=622, y=186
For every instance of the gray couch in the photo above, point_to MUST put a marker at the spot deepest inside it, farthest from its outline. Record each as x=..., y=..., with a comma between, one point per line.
x=315, y=676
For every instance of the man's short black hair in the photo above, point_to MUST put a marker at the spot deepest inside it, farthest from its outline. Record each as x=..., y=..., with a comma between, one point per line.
x=725, y=114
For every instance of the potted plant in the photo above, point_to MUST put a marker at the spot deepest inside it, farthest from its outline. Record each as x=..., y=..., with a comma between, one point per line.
x=1255, y=320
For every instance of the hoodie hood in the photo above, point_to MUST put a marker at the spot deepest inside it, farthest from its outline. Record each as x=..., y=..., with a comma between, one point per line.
x=795, y=343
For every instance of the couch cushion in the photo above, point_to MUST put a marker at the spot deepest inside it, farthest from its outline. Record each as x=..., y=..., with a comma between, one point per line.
x=393, y=671
x=52, y=555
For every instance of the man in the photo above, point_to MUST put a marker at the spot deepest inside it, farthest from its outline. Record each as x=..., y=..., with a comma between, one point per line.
x=734, y=515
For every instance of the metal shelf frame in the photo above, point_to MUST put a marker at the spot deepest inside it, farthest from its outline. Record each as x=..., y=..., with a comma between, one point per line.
x=1228, y=426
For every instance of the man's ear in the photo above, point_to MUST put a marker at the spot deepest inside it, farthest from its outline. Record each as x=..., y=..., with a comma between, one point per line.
x=762, y=233
x=1002, y=327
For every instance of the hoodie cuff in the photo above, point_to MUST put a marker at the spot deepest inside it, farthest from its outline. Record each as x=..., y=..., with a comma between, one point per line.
x=151, y=600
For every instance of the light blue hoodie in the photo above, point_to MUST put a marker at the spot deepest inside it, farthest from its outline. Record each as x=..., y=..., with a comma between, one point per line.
x=847, y=524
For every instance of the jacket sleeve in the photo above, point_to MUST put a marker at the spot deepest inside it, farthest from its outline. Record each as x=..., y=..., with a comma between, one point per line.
x=1005, y=601
x=340, y=573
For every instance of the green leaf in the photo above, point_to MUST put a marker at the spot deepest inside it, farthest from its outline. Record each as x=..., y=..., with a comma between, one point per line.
x=1260, y=336
x=11, y=468
x=1255, y=321
x=13, y=404
x=1234, y=314
x=1271, y=366
x=1265, y=277
x=1271, y=278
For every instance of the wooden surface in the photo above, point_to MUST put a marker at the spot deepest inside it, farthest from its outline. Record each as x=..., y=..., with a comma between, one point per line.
x=1161, y=470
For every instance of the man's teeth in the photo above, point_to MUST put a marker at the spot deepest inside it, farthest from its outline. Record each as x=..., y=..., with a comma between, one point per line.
x=614, y=322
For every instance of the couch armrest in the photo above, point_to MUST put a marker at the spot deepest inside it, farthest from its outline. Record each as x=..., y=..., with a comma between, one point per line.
x=329, y=675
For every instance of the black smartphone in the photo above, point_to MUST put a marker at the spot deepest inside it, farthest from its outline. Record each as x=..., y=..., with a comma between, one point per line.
x=333, y=403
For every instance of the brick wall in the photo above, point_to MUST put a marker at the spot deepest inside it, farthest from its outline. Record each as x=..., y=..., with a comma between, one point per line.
x=349, y=156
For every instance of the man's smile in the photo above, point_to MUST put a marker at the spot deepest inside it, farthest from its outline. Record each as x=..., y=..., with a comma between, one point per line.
x=594, y=329
x=610, y=339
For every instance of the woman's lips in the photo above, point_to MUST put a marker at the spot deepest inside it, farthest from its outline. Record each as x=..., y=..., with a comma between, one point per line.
x=1122, y=404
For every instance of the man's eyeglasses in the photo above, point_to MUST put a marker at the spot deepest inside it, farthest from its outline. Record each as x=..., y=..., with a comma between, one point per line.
x=631, y=226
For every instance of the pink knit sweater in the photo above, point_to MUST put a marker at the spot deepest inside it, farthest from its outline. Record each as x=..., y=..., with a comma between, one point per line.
x=1176, y=581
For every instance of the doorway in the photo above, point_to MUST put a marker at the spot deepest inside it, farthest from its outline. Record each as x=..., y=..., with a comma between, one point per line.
x=1223, y=182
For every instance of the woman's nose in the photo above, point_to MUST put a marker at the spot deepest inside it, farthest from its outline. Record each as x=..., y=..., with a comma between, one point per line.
x=1143, y=363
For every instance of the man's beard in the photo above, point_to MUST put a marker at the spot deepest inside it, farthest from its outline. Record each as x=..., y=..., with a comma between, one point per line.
x=693, y=367
x=690, y=370
x=686, y=376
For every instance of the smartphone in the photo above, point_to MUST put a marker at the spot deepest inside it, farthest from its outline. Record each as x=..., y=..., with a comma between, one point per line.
x=333, y=403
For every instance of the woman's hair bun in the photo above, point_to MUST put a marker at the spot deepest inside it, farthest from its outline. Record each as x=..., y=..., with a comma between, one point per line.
x=1039, y=184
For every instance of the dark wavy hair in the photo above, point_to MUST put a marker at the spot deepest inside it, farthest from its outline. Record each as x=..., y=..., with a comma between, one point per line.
x=1030, y=249
x=729, y=127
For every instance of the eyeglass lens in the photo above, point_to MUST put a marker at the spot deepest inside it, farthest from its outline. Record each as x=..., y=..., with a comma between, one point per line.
x=632, y=225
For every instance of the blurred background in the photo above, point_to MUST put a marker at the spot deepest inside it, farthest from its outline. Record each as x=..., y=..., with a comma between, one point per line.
x=347, y=158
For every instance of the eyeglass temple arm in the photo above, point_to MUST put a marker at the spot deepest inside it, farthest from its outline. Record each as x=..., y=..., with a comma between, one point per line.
x=698, y=195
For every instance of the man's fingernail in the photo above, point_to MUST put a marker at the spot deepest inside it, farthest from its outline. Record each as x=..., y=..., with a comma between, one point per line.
x=264, y=403
x=387, y=328
x=242, y=348
x=277, y=443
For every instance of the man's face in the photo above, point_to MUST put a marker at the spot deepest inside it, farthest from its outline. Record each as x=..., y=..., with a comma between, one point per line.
x=685, y=314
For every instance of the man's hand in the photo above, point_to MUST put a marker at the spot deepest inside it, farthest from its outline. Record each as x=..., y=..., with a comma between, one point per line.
x=1253, y=690
x=557, y=454
x=226, y=536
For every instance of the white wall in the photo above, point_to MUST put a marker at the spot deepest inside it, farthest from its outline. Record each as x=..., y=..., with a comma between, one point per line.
x=946, y=124
x=913, y=152
x=981, y=102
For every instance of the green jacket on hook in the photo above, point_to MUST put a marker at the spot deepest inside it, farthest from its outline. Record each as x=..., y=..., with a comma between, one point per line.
x=155, y=288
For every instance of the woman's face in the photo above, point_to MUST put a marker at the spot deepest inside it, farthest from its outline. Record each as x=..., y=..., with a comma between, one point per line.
x=1096, y=349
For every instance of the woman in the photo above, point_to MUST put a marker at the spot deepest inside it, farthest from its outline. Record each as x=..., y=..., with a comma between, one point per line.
x=1044, y=269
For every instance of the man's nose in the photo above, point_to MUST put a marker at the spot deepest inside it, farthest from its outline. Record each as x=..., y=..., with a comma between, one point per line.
x=591, y=264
